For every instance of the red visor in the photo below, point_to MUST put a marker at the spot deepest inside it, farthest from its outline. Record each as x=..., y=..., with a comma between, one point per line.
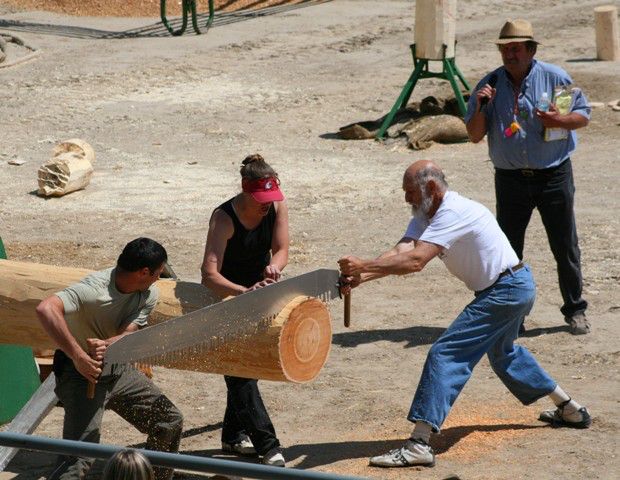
x=263, y=190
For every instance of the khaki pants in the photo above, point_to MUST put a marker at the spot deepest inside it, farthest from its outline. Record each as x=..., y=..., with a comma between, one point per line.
x=127, y=392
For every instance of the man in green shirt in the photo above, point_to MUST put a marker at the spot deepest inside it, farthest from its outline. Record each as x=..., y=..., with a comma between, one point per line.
x=84, y=319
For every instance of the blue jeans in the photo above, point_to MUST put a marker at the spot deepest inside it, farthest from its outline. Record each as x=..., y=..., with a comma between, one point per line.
x=489, y=324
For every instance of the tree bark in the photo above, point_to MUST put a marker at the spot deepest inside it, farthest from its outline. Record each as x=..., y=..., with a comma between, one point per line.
x=23, y=285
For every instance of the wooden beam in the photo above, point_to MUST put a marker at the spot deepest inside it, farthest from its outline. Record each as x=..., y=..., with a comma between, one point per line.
x=23, y=285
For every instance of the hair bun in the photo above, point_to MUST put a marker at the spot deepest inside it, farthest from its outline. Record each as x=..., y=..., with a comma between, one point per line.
x=253, y=158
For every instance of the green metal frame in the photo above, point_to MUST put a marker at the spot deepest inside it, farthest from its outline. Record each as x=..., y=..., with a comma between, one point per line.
x=449, y=72
x=188, y=6
x=2, y=250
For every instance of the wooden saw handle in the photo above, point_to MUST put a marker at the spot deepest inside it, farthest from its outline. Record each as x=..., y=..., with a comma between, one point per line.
x=90, y=391
x=347, y=310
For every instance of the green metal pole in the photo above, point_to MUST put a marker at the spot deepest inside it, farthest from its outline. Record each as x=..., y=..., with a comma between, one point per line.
x=2, y=250
x=460, y=75
x=187, y=7
x=403, y=98
x=165, y=459
x=457, y=91
x=191, y=6
x=211, y=14
x=164, y=20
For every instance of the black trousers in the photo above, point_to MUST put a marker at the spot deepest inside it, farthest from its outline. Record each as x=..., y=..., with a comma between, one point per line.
x=552, y=192
x=127, y=392
x=246, y=415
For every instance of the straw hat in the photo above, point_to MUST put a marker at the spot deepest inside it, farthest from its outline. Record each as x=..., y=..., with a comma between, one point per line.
x=516, y=31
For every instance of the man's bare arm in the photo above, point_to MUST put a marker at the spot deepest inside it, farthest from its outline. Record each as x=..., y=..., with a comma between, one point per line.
x=406, y=257
x=51, y=313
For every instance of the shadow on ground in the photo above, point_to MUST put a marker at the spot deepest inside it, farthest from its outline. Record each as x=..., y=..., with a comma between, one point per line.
x=33, y=465
x=412, y=336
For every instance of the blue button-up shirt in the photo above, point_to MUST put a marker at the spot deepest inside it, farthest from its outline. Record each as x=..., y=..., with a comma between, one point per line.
x=526, y=148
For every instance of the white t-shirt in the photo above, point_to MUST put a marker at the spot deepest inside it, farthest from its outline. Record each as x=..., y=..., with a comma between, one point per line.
x=474, y=248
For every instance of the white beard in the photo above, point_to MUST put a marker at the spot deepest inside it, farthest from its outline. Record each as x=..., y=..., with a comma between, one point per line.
x=421, y=212
x=418, y=213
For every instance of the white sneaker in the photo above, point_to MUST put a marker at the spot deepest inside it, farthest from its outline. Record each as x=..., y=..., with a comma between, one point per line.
x=242, y=447
x=274, y=458
x=413, y=452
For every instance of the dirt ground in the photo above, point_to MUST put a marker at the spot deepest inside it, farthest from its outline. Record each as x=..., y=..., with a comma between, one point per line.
x=170, y=120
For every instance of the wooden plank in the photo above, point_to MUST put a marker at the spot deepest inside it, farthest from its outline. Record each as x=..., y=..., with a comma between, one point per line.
x=30, y=416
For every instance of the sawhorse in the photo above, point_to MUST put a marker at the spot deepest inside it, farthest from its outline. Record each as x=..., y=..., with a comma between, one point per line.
x=188, y=6
x=450, y=72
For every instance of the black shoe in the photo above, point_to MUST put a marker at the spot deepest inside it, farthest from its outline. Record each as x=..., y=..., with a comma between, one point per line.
x=578, y=324
x=556, y=417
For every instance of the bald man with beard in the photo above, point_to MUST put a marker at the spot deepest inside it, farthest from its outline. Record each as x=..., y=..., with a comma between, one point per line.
x=467, y=238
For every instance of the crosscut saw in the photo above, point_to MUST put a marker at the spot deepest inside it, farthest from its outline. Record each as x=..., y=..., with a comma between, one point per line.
x=205, y=329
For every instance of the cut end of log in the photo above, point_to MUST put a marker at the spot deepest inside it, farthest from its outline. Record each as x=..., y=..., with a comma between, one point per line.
x=305, y=339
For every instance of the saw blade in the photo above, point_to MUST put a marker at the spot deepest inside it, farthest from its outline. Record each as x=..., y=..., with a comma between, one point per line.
x=205, y=329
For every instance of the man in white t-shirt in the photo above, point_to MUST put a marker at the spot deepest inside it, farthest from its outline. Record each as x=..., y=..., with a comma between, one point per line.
x=84, y=319
x=466, y=237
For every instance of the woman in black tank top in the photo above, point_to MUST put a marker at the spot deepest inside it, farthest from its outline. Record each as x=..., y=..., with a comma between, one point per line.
x=247, y=248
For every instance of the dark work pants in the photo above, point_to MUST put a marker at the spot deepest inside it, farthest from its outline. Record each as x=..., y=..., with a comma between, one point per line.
x=246, y=415
x=127, y=392
x=552, y=192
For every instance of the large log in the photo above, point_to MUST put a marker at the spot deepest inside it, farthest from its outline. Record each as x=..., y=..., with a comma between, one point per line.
x=292, y=347
x=23, y=285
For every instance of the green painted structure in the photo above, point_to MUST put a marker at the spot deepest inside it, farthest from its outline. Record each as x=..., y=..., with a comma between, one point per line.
x=187, y=7
x=449, y=72
x=19, y=375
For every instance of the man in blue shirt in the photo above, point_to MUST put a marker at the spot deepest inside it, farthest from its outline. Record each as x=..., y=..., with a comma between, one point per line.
x=529, y=171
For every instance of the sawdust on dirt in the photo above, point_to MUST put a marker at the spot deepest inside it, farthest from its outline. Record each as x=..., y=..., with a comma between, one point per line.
x=135, y=8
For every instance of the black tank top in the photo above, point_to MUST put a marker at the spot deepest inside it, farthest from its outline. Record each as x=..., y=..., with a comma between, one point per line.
x=247, y=252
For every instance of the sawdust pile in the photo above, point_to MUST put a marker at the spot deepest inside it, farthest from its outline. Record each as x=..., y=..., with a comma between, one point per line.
x=470, y=432
x=134, y=8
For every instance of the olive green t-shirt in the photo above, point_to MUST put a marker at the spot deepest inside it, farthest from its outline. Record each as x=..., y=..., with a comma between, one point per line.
x=94, y=308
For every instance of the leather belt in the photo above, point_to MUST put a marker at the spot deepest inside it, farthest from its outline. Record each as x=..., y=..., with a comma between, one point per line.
x=530, y=172
x=516, y=268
